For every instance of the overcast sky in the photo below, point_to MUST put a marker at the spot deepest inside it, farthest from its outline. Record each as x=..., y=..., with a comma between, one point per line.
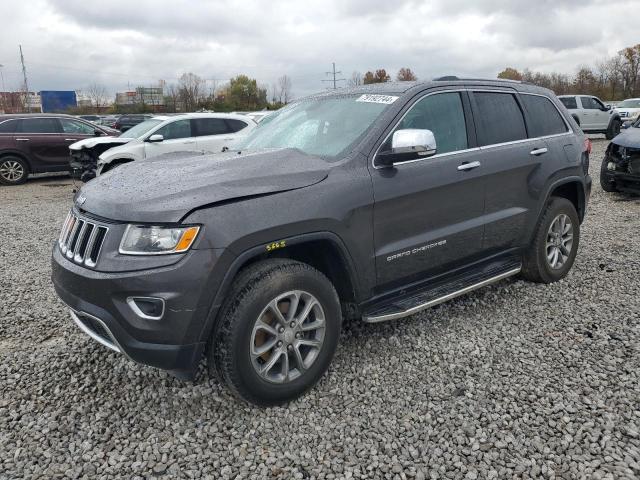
x=69, y=44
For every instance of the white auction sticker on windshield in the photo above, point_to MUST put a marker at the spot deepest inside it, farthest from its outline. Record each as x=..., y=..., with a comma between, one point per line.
x=370, y=98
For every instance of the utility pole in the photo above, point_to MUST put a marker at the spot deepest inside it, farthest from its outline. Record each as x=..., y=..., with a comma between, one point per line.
x=334, y=73
x=26, y=84
x=2, y=99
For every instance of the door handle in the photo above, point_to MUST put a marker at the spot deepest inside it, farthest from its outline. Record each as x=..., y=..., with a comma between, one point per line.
x=22, y=139
x=468, y=166
x=189, y=143
x=70, y=140
x=539, y=151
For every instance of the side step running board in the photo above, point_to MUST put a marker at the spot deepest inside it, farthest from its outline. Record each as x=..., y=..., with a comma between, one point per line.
x=375, y=318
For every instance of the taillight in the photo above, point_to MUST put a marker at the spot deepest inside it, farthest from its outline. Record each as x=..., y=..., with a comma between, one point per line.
x=587, y=146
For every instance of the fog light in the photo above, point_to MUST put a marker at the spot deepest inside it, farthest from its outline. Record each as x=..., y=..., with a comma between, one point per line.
x=149, y=308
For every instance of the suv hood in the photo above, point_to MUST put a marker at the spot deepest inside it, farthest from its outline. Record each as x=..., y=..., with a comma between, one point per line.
x=166, y=190
x=629, y=138
x=92, y=142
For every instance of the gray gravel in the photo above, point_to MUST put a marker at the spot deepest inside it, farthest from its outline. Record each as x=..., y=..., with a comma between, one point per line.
x=515, y=380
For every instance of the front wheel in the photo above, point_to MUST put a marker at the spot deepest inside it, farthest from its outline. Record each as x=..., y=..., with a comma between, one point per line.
x=555, y=244
x=278, y=331
x=614, y=129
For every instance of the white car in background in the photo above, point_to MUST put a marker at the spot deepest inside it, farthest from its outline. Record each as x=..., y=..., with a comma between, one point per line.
x=196, y=133
x=629, y=109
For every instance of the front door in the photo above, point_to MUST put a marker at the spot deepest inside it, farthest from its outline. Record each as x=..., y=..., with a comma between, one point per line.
x=177, y=137
x=428, y=212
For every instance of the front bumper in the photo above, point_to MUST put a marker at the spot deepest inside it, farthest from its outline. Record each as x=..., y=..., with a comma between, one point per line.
x=99, y=306
x=623, y=182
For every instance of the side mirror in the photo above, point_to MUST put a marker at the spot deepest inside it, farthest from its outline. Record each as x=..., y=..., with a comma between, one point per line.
x=607, y=108
x=155, y=138
x=408, y=144
x=98, y=133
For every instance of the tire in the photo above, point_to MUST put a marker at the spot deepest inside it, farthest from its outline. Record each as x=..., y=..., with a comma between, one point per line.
x=605, y=183
x=536, y=266
x=13, y=170
x=234, y=352
x=614, y=129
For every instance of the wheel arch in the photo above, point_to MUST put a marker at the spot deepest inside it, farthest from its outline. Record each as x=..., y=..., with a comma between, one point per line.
x=570, y=188
x=324, y=251
x=20, y=155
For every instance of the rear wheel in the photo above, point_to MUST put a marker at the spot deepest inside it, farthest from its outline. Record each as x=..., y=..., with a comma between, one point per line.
x=555, y=245
x=614, y=129
x=279, y=330
x=13, y=170
x=606, y=184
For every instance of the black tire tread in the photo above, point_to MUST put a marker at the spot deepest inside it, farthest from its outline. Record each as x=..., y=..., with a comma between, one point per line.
x=532, y=270
x=243, y=287
x=604, y=183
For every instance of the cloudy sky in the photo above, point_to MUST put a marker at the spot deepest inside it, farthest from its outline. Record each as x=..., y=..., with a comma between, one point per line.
x=69, y=44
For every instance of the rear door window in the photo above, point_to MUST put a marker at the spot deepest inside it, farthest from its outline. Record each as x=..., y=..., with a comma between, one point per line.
x=210, y=126
x=40, y=125
x=544, y=118
x=569, y=102
x=499, y=117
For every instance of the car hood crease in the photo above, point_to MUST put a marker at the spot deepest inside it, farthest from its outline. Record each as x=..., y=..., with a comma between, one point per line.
x=165, y=190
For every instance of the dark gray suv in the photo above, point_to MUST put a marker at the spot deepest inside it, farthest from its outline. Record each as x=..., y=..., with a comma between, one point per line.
x=371, y=203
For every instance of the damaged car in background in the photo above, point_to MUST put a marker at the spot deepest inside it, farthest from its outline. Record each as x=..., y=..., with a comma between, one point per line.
x=620, y=171
x=195, y=133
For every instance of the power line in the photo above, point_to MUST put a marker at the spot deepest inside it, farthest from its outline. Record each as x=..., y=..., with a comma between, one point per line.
x=334, y=73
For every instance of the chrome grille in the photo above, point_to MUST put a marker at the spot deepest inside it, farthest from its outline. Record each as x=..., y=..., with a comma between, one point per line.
x=81, y=240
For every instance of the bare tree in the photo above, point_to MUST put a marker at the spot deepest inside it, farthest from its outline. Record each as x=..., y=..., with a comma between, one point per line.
x=406, y=75
x=284, y=86
x=173, y=95
x=97, y=94
x=191, y=90
x=355, y=80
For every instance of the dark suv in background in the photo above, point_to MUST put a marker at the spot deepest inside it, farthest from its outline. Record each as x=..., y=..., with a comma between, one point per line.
x=38, y=143
x=372, y=203
x=125, y=122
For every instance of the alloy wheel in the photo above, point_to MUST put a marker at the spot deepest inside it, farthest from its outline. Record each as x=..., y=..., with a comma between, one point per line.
x=11, y=170
x=559, y=241
x=287, y=336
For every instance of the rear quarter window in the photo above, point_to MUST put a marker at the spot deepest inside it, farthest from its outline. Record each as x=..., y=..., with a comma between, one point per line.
x=544, y=118
x=8, y=126
x=235, y=125
x=500, y=118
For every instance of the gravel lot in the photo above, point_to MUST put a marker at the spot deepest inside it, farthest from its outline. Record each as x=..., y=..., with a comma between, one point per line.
x=515, y=380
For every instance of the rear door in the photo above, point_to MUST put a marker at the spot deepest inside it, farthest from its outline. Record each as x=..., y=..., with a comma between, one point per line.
x=178, y=137
x=428, y=212
x=42, y=141
x=212, y=134
x=510, y=159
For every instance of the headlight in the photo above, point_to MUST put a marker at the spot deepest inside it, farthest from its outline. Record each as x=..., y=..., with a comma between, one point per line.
x=157, y=240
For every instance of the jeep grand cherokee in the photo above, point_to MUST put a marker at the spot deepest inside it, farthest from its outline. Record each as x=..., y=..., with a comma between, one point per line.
x=373, y=203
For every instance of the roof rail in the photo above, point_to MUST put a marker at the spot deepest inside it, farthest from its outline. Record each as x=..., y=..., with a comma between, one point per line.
x=446, y=78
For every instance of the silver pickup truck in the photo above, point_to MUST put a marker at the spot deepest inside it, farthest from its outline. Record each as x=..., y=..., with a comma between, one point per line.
x=592, y=115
